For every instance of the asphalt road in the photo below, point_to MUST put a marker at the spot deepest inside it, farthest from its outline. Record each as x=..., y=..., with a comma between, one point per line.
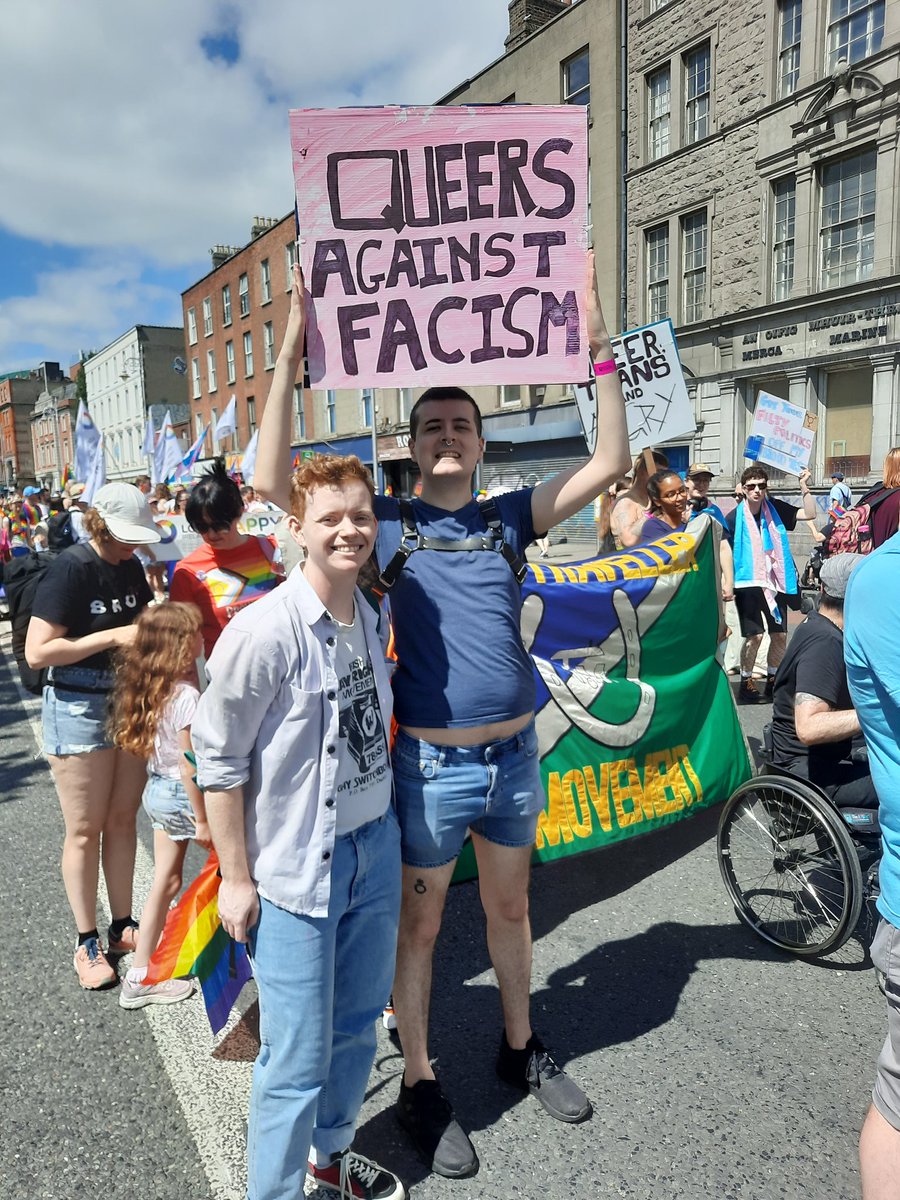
x=718, y=1067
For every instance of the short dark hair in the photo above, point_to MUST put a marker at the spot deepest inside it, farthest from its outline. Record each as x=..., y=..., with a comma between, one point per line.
x=754, y=472
x=441, y=393
x=215, y=499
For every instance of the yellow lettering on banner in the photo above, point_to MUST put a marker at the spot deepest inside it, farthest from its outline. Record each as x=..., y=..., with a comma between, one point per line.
x=602, y=572
x=552, y=821
x=631, y=566
x=681, y=753
x=627, y=797
x=663, y=783
x=600, y=796
x=578, y=811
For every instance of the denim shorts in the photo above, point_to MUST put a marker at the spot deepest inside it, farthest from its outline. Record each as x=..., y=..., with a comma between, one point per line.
x=166, y=804
x=493, y=789
x=886, y=958
x=75, y=710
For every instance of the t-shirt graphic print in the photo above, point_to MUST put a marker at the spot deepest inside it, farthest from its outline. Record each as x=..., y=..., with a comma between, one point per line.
x=363, y=779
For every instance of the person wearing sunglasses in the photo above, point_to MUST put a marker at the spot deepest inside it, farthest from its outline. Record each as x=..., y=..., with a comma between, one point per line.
x=765, y=578
x=231, y=569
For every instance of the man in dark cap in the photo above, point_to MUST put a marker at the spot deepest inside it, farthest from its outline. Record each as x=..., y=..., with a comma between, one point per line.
x=840, y=495
x=813, y=718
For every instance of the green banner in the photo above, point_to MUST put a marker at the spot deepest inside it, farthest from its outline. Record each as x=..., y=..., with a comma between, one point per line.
x=635, y=718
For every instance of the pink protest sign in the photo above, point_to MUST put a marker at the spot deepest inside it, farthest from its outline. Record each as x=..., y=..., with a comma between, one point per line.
x=443, y=245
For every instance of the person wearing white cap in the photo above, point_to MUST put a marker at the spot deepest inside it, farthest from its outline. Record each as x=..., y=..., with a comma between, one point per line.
x=813, y=718
x=82, y=612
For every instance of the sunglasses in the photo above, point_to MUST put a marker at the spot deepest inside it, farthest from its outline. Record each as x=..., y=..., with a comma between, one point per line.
x=202, y=527
x=754, y=487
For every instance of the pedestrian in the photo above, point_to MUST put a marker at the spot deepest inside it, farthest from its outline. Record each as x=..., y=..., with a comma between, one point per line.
x=632, y=506
x=885, y=500
x=765, y=578
x=465, y=756
x=83, y=611
x=154, y=702
x=231, y=569
x=667, y=494
x=872, y=655
x=699, y=478
x=291, y=743
x=840, y=495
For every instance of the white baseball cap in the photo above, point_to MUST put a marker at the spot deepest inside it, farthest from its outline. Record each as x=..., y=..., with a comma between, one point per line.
x=126, y=514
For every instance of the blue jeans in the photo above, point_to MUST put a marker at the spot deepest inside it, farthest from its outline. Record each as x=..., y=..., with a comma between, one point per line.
x=323, y=982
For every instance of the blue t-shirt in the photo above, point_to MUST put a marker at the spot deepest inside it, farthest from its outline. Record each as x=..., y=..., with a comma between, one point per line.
x=656, y=527
x=455, y=614
x=872, y=655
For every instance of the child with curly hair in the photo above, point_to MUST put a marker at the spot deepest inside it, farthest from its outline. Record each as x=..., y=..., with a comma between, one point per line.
x=153, y=706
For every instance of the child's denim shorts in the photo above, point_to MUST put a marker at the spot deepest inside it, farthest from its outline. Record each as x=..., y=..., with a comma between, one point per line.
x=166, y=804
x=75, y=710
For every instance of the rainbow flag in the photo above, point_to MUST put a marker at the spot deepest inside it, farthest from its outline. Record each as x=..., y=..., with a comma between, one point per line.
x=66, y=477
x=195, y=943
x=30, y=512
x=296, y=461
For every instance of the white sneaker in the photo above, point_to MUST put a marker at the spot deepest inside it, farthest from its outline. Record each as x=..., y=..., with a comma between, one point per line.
x=170, y=991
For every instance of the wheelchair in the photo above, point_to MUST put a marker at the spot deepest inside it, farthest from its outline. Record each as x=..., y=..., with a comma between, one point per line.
x=797, y=867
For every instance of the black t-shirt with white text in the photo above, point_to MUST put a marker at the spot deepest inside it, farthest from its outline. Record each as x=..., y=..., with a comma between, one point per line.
x=814, y=664
x=85, y=594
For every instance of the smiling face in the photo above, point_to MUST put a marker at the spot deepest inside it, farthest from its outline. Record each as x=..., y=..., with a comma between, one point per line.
x=447, y=445
x=337, y=531
x=672, y=499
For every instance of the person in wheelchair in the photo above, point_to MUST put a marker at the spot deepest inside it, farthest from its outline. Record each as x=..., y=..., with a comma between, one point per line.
x=814, y=723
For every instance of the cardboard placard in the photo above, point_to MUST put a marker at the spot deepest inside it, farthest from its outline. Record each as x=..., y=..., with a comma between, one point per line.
x=443, y=244
x=781, y=435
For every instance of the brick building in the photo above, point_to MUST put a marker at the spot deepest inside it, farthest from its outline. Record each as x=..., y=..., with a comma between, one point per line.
x=52, y=420
x=762, y=211
x=18, y=392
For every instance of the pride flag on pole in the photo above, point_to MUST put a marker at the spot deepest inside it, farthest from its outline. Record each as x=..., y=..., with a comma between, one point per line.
x=194, y=942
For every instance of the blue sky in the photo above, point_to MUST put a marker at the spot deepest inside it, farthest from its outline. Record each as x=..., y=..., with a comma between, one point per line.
x=137, y=137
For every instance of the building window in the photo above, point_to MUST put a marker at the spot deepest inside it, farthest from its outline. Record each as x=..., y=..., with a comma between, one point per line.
x=694, y=258
x=848, y=219
x=265, y=281
x=229, y=361
x=211, y=369
x=855, y=30
x=788, y=46
x=330, y=411
x=192, y=326
x=226, y=304
x=510, y=395
x=659, y=112
x=248, y=353
x=268, y=345
x=198, y=424
x=696, y=94
x=244, y=295
x=207, y=317
x=577, y=79
x=657, y=241
x=251, y=415
x=195, y=378
x=299, y=413
x=656, y=5
x=784, y=193
x=406, y=403
x=290, y=257
x=366, y=408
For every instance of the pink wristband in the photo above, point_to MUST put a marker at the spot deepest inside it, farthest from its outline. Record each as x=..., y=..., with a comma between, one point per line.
x=605, y=368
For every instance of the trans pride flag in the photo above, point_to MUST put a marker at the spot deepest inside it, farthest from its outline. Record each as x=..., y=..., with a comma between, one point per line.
x=194, y=942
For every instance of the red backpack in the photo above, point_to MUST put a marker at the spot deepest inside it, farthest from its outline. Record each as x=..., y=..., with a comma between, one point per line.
x=853, y=533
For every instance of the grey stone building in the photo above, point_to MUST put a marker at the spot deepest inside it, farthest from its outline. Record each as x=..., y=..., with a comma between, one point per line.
x=761, y=214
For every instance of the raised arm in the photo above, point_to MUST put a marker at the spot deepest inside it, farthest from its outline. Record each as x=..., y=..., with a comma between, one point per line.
x=272, y=472
x=809, y=500
x=571, y=490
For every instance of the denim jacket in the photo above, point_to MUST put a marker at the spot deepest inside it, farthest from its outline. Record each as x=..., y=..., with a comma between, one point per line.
x=269, y=722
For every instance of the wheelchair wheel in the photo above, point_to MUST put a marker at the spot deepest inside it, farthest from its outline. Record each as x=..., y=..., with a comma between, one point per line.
x=790, y=866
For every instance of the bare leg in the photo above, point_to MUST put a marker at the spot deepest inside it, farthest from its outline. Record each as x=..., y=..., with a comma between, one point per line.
x=749, y=651
x=168, y=865
x=503, y=875
x=879, y=1158
x=83, y=784
x=119, y=843
x=777, y=648
x=421, y=909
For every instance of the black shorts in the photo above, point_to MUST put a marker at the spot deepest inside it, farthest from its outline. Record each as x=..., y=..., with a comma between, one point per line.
x=753, y=612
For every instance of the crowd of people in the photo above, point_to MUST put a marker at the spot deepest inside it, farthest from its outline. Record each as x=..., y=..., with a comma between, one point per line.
x=337, y=782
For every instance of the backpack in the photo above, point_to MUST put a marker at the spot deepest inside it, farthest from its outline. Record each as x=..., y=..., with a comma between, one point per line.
x=21, y=579
x=60, y=533
x=853, y=533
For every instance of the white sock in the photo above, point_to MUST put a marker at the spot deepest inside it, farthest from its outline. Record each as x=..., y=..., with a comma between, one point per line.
x=325, y=1160
x=136, y=974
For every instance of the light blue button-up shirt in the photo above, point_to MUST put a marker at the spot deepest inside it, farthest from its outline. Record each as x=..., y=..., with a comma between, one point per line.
x=268, y=722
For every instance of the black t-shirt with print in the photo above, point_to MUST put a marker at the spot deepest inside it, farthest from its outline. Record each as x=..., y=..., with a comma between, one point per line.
x=86, y=595
x=814, y=664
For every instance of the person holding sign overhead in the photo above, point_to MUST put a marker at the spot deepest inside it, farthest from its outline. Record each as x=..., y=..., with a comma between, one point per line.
x=465, y=755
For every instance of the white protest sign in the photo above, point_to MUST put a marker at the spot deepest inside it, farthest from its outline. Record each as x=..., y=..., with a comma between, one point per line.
x=781, y=434
x=657, y=406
